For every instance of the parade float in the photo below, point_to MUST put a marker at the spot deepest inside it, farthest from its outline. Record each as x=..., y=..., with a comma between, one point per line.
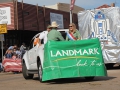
x=70, y=59
x=64, y=59
x=104, y=24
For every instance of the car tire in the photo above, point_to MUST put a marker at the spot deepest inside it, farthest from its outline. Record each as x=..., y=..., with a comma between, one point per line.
x=40, y=71
x=25, y=73
x=89, y=78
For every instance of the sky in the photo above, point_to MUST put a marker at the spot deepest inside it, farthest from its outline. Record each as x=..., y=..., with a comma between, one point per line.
x=86, y=4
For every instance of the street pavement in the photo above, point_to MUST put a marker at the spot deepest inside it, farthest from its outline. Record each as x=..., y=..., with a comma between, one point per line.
x=10, y=81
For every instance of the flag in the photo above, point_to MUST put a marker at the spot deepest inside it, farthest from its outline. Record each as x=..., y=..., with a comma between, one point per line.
x=72, y=4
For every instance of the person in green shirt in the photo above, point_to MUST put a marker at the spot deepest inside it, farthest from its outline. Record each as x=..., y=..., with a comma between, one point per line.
x=73, y=33
x=53, y=34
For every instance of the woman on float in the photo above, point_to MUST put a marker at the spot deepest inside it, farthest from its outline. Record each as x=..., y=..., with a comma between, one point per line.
x=73, y=33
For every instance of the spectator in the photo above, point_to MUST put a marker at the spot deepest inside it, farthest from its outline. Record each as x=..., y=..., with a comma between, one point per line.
x=22, y=49
x=18, y=53
x=9, y=51
x=8, y=54
x=14, y=56
x=12, y=47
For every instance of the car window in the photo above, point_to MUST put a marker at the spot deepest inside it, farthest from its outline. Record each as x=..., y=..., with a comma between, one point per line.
x=63, y=34
x=42, y=41
x=31, y=44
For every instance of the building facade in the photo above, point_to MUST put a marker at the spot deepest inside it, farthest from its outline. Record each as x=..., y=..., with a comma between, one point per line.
x=26, y=20
x=65, y=7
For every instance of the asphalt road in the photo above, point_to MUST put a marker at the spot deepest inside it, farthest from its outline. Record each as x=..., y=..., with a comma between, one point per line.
x=10, y=81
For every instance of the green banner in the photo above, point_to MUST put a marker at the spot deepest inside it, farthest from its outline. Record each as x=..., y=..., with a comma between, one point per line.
x=68, y=59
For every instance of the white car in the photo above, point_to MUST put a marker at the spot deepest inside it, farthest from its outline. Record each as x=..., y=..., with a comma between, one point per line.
x=32, y=61
x=80, y=58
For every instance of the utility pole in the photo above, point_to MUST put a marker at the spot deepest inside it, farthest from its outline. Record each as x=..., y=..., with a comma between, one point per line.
x=72, y=2
x=70, y=16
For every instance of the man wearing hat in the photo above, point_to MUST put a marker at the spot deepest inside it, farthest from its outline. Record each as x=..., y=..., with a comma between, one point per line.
x=53, y=34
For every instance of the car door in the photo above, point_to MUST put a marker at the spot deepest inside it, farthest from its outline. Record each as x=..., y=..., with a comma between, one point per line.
x=32, y=54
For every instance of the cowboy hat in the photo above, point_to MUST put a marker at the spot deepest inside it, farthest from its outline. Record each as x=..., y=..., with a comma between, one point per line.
x=54, y=24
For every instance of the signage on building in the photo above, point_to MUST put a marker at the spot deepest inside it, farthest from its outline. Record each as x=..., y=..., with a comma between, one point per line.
x=5, y=15
x=3, y=28
x=58, y=18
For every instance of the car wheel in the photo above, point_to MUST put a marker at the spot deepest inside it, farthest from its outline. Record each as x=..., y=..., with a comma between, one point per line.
x=40, y=72
x=25, y=73
x=89, y=78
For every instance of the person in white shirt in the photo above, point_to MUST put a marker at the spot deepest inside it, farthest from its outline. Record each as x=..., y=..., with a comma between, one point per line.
x=43, y=35
x=22, y=49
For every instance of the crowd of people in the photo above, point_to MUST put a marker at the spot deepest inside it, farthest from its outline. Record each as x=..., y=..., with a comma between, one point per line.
x=15, y=51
